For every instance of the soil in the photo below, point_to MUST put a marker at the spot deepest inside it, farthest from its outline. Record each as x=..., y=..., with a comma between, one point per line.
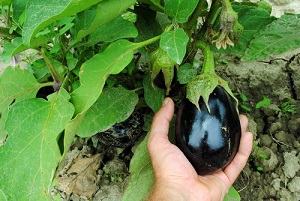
x=273, y=170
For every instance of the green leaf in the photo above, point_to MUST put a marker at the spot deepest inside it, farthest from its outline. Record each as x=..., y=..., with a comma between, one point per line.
x=279, y=36
x=154, y=96
x=95, y=71
x=185, y=73
x=5, y=2
x=40, y=14
x=19, y=6
x=180, y=10
x=90, y=20
x=174, y=43
x=114, y=30
x=265, y=102
x=232, y=195
x=253, y=19
x=33, y=126
x=141, y=174
x=15, y=85
x=147, y=26
x=157, y=3
x=71, y=129
x=113, y=106
x=17, y=46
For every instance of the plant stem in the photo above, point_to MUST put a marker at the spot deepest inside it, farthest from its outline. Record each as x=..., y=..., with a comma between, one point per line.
x=212, y=15
x=188, y=26
x=135, y=90
x=65, y=82
x=4, y=33
x=55, y=75
x=148, y=42
x=209, y=63
x=47, y=84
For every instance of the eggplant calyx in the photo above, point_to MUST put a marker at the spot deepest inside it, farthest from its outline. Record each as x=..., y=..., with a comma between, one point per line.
x=161, y=62
x=203, y=85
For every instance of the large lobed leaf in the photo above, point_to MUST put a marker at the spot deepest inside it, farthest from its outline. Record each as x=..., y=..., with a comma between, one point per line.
x=91, y=19
x=31, y=154
x=180, y=10
x=93, y=75
x=113, y=106
x=116, y=29
x=141, y=177
x=15, y=90
x=18, y=6
x=40, y=14
x=16, y=46
x=95, y=71
x=279, y=36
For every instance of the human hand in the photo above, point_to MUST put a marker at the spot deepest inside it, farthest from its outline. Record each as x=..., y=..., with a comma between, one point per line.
x=175, y=177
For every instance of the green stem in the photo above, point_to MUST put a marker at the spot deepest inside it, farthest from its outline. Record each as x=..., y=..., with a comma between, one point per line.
x=53, y=72
x=4, y=33
x=147, y=42
x=209, y=63
x=137, y=89
x=47, y=84
x=188, y=26
x=212, y=15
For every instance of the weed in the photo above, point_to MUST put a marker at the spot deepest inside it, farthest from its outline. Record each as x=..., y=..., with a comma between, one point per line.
x=263, y=103
x=287, y=109
x=244, y=102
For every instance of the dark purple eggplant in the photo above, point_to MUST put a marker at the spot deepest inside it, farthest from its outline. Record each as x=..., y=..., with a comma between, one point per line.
x=209, y=140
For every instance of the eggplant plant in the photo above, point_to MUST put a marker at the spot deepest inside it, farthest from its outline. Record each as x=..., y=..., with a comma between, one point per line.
x=91, y=64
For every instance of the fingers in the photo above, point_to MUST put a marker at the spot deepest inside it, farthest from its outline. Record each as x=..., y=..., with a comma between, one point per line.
x=244, y=123
x=160, y=124
x=233, y=170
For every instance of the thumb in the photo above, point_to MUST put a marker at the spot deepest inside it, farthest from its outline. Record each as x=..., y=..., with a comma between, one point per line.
x=160, y=124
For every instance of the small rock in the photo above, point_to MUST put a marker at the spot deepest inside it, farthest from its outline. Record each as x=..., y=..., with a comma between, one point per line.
x=285, y=195
x=268, y=164
x=285, y=138
x=277, y=126
x=297, y=144
x=260, y=125
x=276, y=184
x=271, y=120
x=291, y=164
x=271, y=110
x=294, y=126
x=115, y=166
x=294, y=185
x=109, y=193
x=266, y=140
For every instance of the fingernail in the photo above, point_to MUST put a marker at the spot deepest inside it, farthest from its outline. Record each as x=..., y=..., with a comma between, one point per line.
x=165, y=102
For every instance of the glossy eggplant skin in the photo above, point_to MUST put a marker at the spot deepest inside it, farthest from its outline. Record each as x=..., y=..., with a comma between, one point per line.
x=209, y=140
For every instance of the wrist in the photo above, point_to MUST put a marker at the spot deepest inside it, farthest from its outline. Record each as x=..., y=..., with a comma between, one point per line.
x=167, y=192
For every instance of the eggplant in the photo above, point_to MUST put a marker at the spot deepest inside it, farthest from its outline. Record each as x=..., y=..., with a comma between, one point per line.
x=209, y=138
